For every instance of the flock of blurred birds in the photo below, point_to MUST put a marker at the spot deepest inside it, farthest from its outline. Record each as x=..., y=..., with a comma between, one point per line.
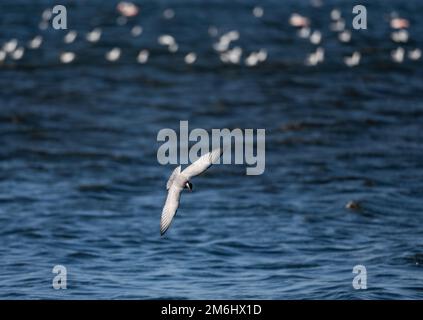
x=224, y=44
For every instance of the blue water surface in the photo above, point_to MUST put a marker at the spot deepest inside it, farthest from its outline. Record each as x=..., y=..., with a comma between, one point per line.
x=80, y=185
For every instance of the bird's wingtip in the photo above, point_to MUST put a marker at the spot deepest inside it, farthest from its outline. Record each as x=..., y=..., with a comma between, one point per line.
x=163, y=230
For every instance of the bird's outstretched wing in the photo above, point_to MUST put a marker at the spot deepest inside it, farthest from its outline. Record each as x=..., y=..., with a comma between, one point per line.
x=203, y=163
x=172, y=177
x=170, y=207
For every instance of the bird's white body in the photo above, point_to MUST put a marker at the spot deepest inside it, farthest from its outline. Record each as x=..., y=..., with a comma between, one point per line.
x=179, y=180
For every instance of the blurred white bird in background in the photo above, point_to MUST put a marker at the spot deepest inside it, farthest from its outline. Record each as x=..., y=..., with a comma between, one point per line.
x=353, y=60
